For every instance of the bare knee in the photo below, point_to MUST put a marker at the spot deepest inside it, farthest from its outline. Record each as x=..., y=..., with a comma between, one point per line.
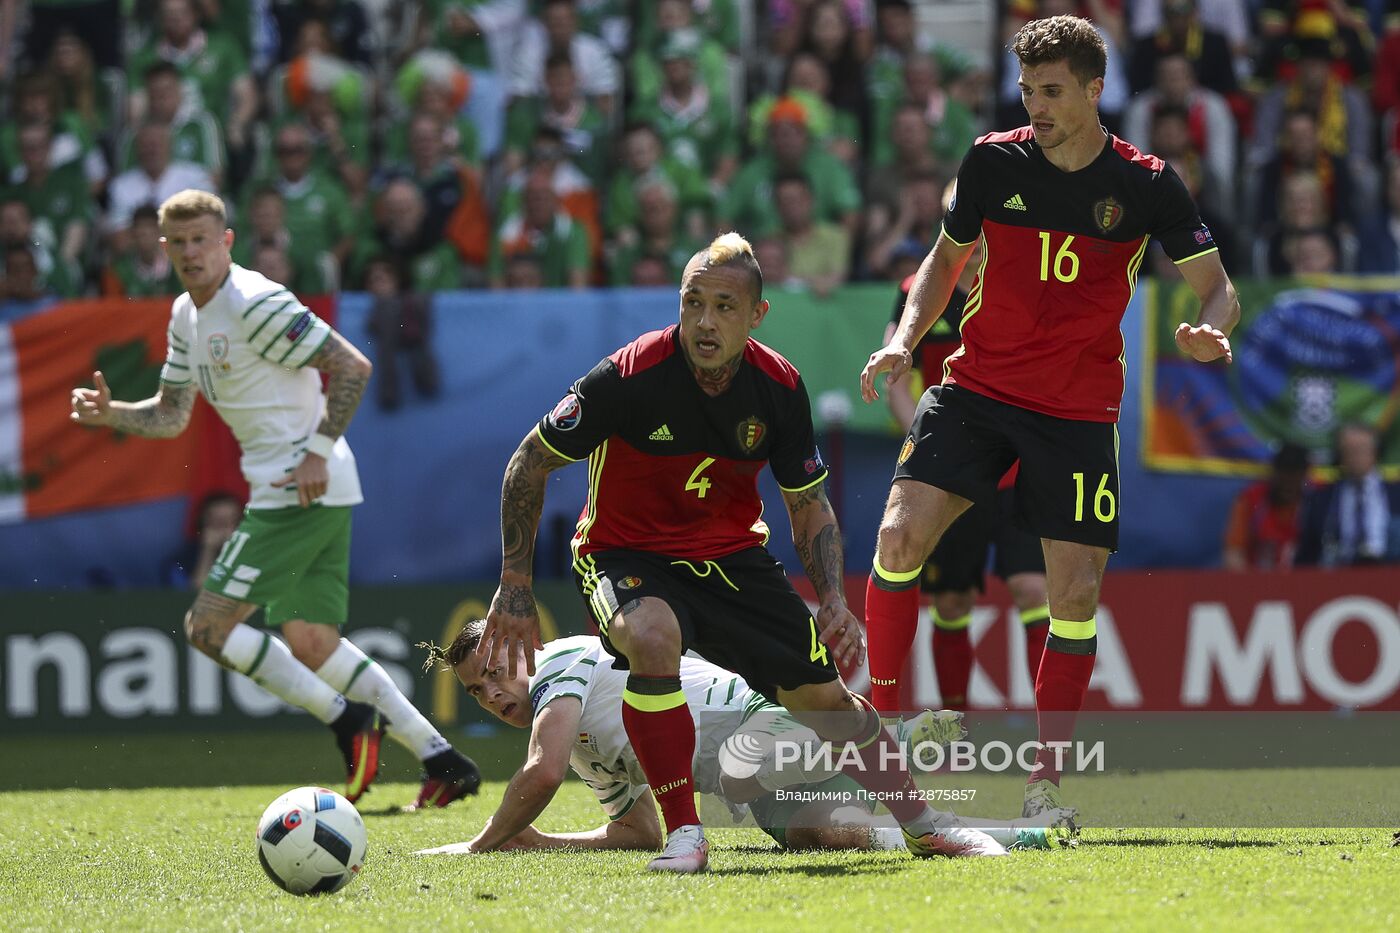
x=647, y=633
x=1027, y=589
x=916, y=516
x=311, y=643
x=1074, y=573
x=800, y=838
x=954, y=605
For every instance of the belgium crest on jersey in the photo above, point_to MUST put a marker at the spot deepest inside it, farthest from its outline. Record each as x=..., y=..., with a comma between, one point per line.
x=751, y=433
x=1108, y=213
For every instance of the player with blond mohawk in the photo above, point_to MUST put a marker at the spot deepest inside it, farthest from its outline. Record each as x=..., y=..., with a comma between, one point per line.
x=669, y=554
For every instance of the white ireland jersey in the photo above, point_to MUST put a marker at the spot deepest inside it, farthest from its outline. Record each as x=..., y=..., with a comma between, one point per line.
x=247, y=351
x=719, y=700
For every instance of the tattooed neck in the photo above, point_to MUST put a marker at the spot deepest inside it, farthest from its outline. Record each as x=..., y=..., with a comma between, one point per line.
x=716, y=381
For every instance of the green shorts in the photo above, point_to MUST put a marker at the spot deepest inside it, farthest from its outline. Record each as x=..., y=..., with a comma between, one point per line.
x=293, y=562
x=775, y=816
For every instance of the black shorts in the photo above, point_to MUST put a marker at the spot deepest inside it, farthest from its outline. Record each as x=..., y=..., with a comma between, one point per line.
x=959, y=562
x=1067, y=487
x=738, y=611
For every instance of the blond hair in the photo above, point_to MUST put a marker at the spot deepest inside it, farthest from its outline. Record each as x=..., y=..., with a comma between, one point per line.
x=731, y=248
x=191, y=204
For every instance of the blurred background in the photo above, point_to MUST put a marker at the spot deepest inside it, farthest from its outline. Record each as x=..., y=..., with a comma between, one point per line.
x=490, y=195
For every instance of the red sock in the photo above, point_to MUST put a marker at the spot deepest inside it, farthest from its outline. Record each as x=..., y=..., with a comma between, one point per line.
x=1065, y=669
x=891, y=616
x=880, y=768
x=952, y=659
x=1036, y=624
x=662, y=733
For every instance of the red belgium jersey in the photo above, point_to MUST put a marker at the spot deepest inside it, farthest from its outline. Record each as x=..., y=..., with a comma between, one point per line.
x=1062, y=253
x=672, y=470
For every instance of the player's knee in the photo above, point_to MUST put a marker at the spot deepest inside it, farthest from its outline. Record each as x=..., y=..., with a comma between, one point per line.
x=954, y=605
x=1027, y=590
x=899, y=550
x=650, y=639
x=206, y=632
x=310, y=644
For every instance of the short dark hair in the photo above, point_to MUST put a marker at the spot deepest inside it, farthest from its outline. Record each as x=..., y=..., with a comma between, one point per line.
x=791, y=178
x=467, y=641
x=159, y=69
x=1291, y=458
x=147, y=212
x=1063, y=38
x=558, y=59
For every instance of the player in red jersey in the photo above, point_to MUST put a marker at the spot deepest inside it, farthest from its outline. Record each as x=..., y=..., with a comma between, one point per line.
x=669, y=551
x=954, y=574
x=1066, y=212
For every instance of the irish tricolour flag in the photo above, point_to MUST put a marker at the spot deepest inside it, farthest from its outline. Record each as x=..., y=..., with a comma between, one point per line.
x=48, y=464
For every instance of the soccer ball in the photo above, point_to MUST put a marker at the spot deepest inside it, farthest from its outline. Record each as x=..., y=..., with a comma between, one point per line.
x=311, y=841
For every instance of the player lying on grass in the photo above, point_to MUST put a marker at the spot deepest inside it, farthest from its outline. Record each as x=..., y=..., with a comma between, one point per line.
x=572, y=706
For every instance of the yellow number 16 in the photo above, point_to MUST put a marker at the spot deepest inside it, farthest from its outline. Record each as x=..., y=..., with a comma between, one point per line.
x=1066, y=262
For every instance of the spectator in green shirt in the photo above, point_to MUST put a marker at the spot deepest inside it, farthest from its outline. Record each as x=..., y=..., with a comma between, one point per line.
x=401, y=234
x=264, y=223
x=717, y=19
x=57, y=198
x=541, y=229
x=143, y=271
x=953, y=126
x=580, y=124
x=711, y=61
x=748, y=206
x=697, y=128
x=319, y=214
x=642, y=156
x=478, y=33
x=819, y=252
x=194, y=133
x=213, y=66
x=658, y=234
x=52, y=274
x=37, y=100
x=422, y=91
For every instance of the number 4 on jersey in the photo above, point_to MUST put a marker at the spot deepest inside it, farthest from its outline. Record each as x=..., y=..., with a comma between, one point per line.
x=818, y=649
x=698, y=482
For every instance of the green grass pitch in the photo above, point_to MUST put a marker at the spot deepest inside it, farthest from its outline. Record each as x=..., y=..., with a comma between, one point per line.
x=181, y=857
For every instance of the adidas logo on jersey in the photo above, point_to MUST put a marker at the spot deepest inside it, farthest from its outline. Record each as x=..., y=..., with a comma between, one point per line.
x=1015, y=203
x=662, y=433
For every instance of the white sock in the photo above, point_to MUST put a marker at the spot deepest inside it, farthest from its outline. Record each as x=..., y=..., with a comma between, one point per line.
x=269, y=664
x=355, y=674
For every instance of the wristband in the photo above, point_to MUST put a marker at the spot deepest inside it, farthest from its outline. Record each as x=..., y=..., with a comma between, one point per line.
x=320, y=445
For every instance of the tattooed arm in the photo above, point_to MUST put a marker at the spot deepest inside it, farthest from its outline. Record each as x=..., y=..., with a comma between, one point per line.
x=818, y=542
x=349, y=371
x=166, y=414
x=513, y=624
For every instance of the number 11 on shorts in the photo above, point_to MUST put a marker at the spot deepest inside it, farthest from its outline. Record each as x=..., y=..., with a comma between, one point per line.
x=1104, y=494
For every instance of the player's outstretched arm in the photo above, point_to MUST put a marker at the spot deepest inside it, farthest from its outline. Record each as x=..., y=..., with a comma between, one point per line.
x=818, y=542
x=165, y=414
x=638, y=828
x=928, y=296
x=534, y=785
x=513, y=624
x=1220, y=310
x=348, y=371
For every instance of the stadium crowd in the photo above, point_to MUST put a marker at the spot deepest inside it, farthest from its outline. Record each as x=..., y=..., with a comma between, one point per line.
x=417, y=146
